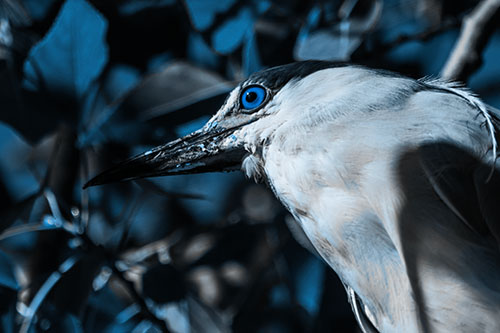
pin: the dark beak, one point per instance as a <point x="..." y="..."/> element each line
<point x="201" y="151"/>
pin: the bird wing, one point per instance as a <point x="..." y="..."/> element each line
<point x="365" y="324"/>
<point x="466" y="185"/>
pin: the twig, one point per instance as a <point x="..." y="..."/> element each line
<point x="44" y="290"/>
<point x="162" y="325"/>
<point x="477" y="28"/>
<point x="139" y="300"/>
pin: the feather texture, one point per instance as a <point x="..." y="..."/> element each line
<point x="383" y="173"/>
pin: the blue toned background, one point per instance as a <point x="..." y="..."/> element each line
<point x="87" y="83"/>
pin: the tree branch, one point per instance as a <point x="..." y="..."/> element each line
<point x="477" y="28"/>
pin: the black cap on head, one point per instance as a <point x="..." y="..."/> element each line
<point x="276" y="77"/>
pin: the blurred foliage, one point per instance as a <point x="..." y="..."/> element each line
<point x="87" y="83"/>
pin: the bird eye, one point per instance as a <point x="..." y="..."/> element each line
<point x="252" y="97"/>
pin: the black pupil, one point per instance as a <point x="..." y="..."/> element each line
<point x="250" y="96"/>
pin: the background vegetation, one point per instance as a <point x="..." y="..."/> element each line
<point x="87" y="83"/>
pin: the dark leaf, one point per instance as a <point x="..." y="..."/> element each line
<point x="72" y="54"/>
<point x="39" y="9"/>
<point x="58" y="72"/>
<point x="7" y="278"/>
<point x="119" y="80"/>
<point x="71" y="324"/>
<point x="15" y="174"/>
<point x="233" y="32"/>
<point x="17" y="211"/>
<point x="140" y="30"/>
<point x="155" y="188"/>
<point x="163" y="284"/>
<point x="53" y="320"/>
<point x="202" y="13"/>
<point x="67" y="298"/>
<point x="225" y="24"/>
<point x="199" y="52"/>
<point x="177" y="86"/>
<point x="162" y="101"/>
<point x="9" y="288"/>
<point x="308" y="282"/>
<point x="205" y="319"/>
<point x="8" y="315"/>
<point x="128" y="7"/>
<point x="59" y="294"/>
<point x="107" y="312"/>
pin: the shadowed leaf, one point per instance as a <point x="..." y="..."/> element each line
<point x="163" y="284"/>
<point x="7" y="278"/>
<point x="149" y="112"/>
<point x="72" y="54"/>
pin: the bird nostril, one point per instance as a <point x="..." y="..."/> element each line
<point x="250" y="96"/>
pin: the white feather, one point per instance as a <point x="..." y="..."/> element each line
<point x="337" y="148"/>
<point x="465" y="93"/>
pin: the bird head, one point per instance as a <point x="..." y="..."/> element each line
<point x="241" y="127"/>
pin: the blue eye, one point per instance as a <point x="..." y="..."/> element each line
<point x="252" y="97"/>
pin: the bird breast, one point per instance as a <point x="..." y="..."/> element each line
<point x="356" y="187"/>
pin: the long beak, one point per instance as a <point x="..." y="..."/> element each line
<point x="201" y="151"/>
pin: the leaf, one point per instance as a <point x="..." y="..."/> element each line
<point x="326" y="45"/>
<point x="8" y="317"/>
<point x="14" y="171"/>
<point x="59" y="71"/>
<point x="155" y="188"/>
<point x="232" y="32"/>
<point x="309" y="283"/>
<point x="38" y="9"/>
<point x="202" y="13"/>
<point x="129" y="7"/>
<point x="72" y="54"/>
<point x="225" y="24"/>
<point x="163" y="284"/>
<point x="180" y="92"/>
<point x="120" y="79"/>
<point x="199" y="52"/>
<point x="337" y="42"/>
<point x="9" y="288"/>
<point x="177" y="86"/>
<point x="205" y="319"/>
<point x="71" y="324"/>
<point x="111" y="309"/>
<point x="7" y="278"/>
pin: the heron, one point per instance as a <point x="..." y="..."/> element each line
<point x="393" y="180"/>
